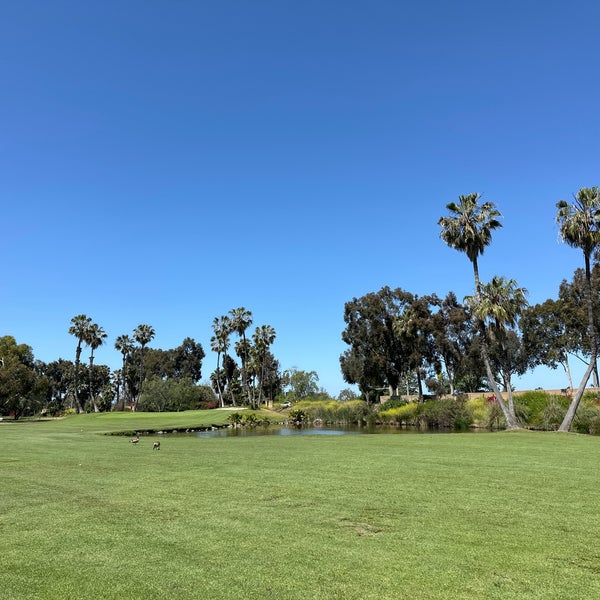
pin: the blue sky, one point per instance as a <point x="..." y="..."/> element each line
<point x="165" y="162"/>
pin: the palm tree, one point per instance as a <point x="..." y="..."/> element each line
<point x="79" y="327"/>
<point x="579" y="227"/>
<point x="143" y="335"/>
<point x="469" y="229"/>
<point x="124" y="344"/>
<point x="219" y="343"/>
<point x="263" y="337"/>
<point x="498" y="306"/>
<point x="241" y="319"/>
<point x="94" y="338"/>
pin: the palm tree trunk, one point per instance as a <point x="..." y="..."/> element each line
<point x="78" y="406"/>
<point x="219" y="391"/>
<point x="92" y="397"/>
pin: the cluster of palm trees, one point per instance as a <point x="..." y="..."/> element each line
<point x="89" y="333"/>
<point x="254" y="355"/>
<point x="93" y="335"/>
<point x="497" y="305"/>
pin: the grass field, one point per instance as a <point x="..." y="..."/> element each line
<point x="503" y="515"/>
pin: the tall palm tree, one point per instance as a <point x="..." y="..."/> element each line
<point x="468" y="229"/>
<point x="124" y="344"/>
<point x="579" y="227"/>
<point x="263" y="338"/>
<point x="143" y="335"/>
<point x="498" y="306"/>
<point x="94" y="338"/>
<point x="241" y="319"/>
<point x="79" y="327"/>
<point x="219" y="343"/>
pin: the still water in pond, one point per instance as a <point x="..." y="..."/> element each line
<point x="311" y="430"/>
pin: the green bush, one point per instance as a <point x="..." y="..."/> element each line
<point x="552" y="415"/>
<point x="587" y="419"/>
<point x="446" y="414"/>
<point x="530" y="406"/>
<point x="393" y="402"/>
<point x="333" y="411"/>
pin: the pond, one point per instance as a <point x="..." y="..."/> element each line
<point x="312" y="430"/>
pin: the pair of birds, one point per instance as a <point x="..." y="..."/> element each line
<point x="136" y="439"/>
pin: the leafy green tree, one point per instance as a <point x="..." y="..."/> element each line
<point x="454" y="345"/>
<point x="300" y="385"/>
<point x="174" y="395"/>
<point x="59" y="374"/>
<point x="468" y="229"/>
<point x="19" y="394"/>
<point x="579" y="227"/>
<point x="347" y="394"/>
<point x="79" y="329"/>
<point x="572" y="295"/>
<point x="376" y="357"/>
<point x="187" y="360"/>
<point x="547" y="339"/>
<point x="414" y="328"/>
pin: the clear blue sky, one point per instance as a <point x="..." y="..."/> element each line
<point x="163" y="162"/>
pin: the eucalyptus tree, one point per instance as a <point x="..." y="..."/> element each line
<point x="241" y="319"/>
<point x="263" y="339"/>
<point x="376" y="357"/>
<point x="124" y="344"/>
<point x="469" y="229"/>
<point x="79" y="328"/>
<point x="18" y="378"/>
<point x="572" y="295"/>
<point x="143" y="335"/>
<point x="498" y="306"/>
<point x="452" y="327"/>
<point x="579" y="227"/>
<point x="94" y="338"/>
<point x="547" y="338"/>
<point x="414" y="328"/>
<point x="187" y="360"/>
<point x="219" y="343"/>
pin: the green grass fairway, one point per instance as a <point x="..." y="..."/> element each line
<point x="445" y="516"/>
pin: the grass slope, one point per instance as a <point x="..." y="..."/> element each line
<point x="507" y="515"/>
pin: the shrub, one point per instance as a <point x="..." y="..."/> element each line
<point x="407" y="414"/>
<point x="235" y="418"/>
<point x="393" y="402"/>
<point x="447" y="413"/>
<point x="587" y="419"/>
<point x="552" y="415"/>
<point x="530" y="406"/>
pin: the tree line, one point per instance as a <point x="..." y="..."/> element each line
<point x="152" y="379"/>
<point x="398" y="340"/>
<point x="399" y="343"/>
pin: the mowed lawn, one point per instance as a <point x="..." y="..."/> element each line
<point x="502" y="515"/>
